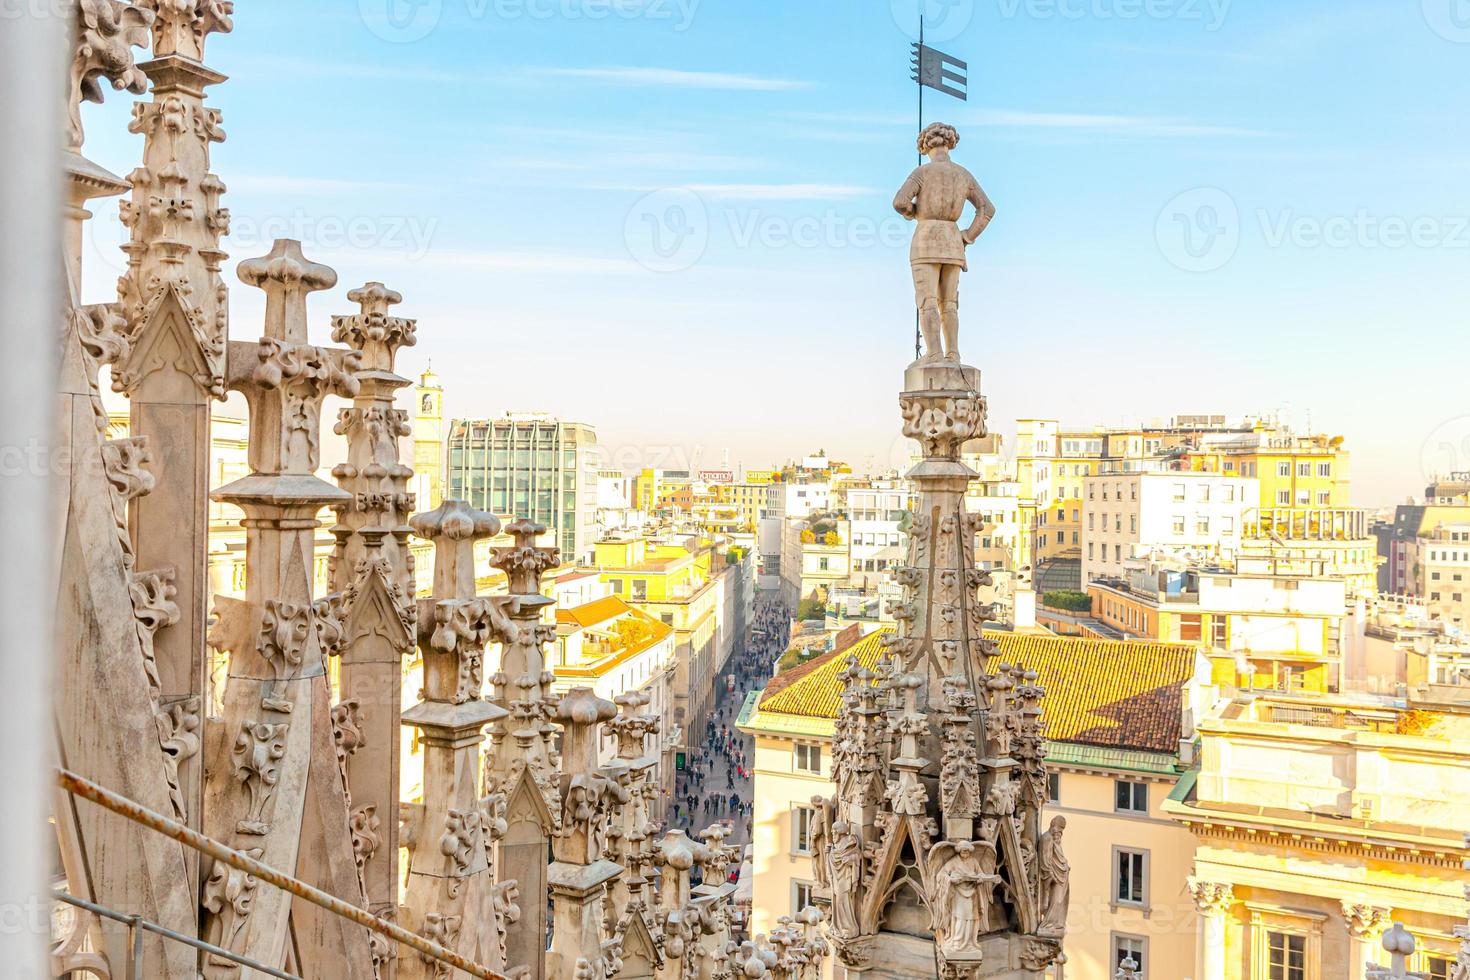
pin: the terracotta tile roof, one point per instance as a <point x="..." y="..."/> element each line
<point x="814" y="689"/>
<point x="1112" y="694"/>
<point x="845" y="642"/>
<point x="594" y="612"/>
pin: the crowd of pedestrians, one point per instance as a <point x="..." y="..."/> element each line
<point x="716" y="783"/>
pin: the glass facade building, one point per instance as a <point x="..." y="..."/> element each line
<point x="529" y="466"/>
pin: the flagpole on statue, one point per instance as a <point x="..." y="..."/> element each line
<point x="943" y="73"/>
<point x="918" y="341"/>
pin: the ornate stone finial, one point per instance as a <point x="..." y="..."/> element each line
<point x="106" y="33"/>
<point x="287" y="277"/>
<point x="1210" y="897"/>
<point x="1398" y="942"/>
<point x="454" y="527"/>
<point x="182" y="25"/>
<point x="372" y="331"/>
<point x="934" y="196"/>
<point x="524" y="563"/>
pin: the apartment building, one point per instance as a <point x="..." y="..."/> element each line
<point x="1129" y="518"/>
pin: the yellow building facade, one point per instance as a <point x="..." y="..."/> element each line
<point x="1117" y="715"/>
<point x="1319" y="821"/>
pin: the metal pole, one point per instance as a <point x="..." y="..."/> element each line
<point x="135" y="942"/>
<point x="918" y="343"/>
<point x="125" y="807"/>
<point x="167" y="933"/>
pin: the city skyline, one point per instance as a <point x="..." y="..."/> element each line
<point x="1086" y="125"/>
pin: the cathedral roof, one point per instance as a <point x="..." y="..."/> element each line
<point x="1104" y="693"/>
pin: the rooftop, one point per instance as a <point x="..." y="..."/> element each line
<point x="1102" y="693"/>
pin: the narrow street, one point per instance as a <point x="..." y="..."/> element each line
<point x="717" y="786"/>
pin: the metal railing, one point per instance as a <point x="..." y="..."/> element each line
<point x="137" y="925"/>
<point x="124" y="807"/>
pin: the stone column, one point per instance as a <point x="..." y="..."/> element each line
<point x="374" y="570"/>
<point x="522" y="764"/>
<point x="278" y="732"/>
<point x="177" y="309"/>
<point x="1366" y="925"/>
<point x="450" y="883"/>
<point x="108" y="725"/>
<point x="1212" y="900"/>
<point x="591" y="799"/>
<point x="677" y="916"/>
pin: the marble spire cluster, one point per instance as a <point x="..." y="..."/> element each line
<point x="294" y="759"/>
<point x="932" y="854"/>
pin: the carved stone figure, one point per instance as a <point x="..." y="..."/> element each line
<point x="934" y="196"/>
<point x="847" y="872"/>
<point x="1055" y="886"/>
<point x="963" y="891"/>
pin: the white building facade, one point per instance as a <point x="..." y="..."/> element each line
<point x="1130" y="519"/>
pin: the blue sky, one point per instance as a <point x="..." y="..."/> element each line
<point x="1204" y="206"/>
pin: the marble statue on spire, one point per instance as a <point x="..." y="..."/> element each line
<point x="934" y="196"/>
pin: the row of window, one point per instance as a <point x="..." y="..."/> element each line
<point x="1303" y="497"/>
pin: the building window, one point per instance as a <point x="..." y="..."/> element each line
<point x="809" y="758"/>
<point x="1179" y="526"/>
<point x="1439" y="968"/>
<point x="1283" y="497"/>
<point x="801" y="896"/>
<point x="1130" y="797"/>
<point x="1053" y="787"/>
<point x="1130" y="877"/>
<point x="1202" y="527"/>
<point x="1283" y="469"/>
<point x="1286" y="956"/>
<point x="801" y="827"/>
<point x="1304" y="469"/>
<point x="1178" y="493"/>
<point x="1324" y="469"/>
<point x="1131" y="948"/>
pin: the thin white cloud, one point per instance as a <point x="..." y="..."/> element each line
<point x="676" y="78"/>
<point x="518" y="261"/>
<point x="780" y="192"/>
<point x="272" y="184"/>
<point x="1151" y="126"/>
<point x="1023" y="119"/>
